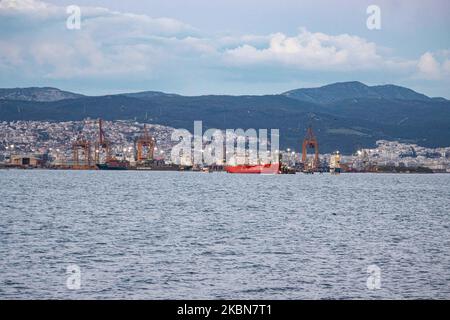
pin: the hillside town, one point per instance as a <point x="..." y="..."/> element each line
<point x="51" y="142"/>
<point x="402" y="155"/>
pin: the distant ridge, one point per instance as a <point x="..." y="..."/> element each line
<point x="354" y="90"/>
<point x="321" y="95"/>
<point x="346" y="116"/>
<point x="148" y="94"/>
<point x="44" y="94"/>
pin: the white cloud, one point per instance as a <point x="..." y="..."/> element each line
<point x="309" y="50"/>
<point x="22" y="5"/>
<point x="35" y="42"/>
<point x="434" y="66"/>
<point x="34" y="37"/>
<point x="428" y="66"/>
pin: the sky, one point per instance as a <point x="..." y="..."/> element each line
<point x="223" y="46"/>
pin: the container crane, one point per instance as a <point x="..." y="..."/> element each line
<point x="145" y="146"/>
<point x="82" y="158"/>
<point x="102" y="145"/>
<point x="310" y="141"/>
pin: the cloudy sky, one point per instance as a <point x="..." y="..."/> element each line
<point x="223" y="46"/>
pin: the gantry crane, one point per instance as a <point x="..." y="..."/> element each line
<point x="81" y="149"/>
<point x="310" y="142"/>
<point x="145" y="145"/>
<point x="102" y="144"/>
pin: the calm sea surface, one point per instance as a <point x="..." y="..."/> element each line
<point x="172" y="235"/>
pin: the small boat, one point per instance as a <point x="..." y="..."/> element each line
<point x="335" y="163"/>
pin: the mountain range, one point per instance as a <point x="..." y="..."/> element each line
<point x="354" y="90"/>
<point x="345" y="116"/>
<point x="37" y="94"/>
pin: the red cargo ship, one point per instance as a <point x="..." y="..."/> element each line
<point x="273" y="168"/>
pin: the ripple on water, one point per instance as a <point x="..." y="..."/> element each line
<point x="171" y="235"/>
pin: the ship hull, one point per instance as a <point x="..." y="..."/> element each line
<point x="116" y="165"/>
<point x="161" y="168"/>
<point x="254" y="169"/>
<point x="335" y="170"/>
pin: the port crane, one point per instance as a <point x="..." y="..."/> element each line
<point x="82" y="158"/>
<point x="102" y="145"/>
<point x="145" y="146"/>
<point x="310" y="141"/>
